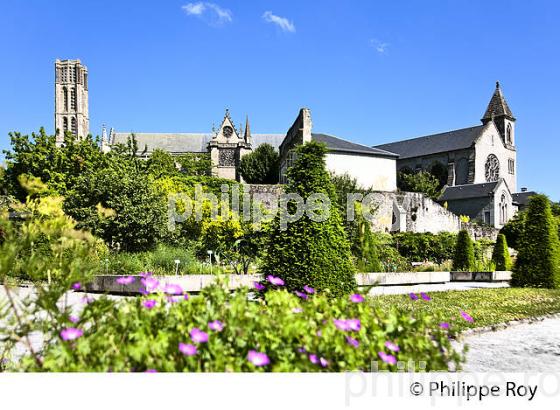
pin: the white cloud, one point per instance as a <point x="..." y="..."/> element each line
<point x="210" y="12"/>
<point x="281" y="22"/>
<point x="379" y="46"/>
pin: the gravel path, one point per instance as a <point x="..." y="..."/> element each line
<point x="530" y="347"/>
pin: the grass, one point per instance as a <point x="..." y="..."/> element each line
<point x="486" y="306"/>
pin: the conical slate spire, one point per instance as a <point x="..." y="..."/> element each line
<point x="247" y="136"/>
<point x="497" y="107"/>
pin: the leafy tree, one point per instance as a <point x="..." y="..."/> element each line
<point x="260" y="166"/>
<point x="439" y="171"/>
<point x="538" y="260"/>
<point x="464" y="253"/>
<point x="363" y="246"/>
<point x="195" y="164"/>
<point x="514" y="229"/>
<point x="500" y="255"/>
<point x="306" y="251"/>
<point x="161" y="163"/>
<point x="425" y="246"/>
<point x="422" y="181"/>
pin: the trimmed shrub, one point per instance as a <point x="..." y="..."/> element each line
<point x="538" y="260"/>
<point x="425" y="246"/>
<point x="260" y="166"/>
<point x="501" y="254"/>
<point x="364" y="247"/>
<point x="306" y="251"/>
<point x="464" y="253"/>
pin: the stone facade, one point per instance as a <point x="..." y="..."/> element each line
<point x="71" y="99"/>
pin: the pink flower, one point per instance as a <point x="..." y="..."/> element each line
<point x="146" y="274"/>
<point x="125" y="280"/>
<point x="352" y="342"/>
<point x="466" y="316"/>
<point x="388" y="358"/>
<point x="444" y="325"/>
<point x="149" y="303"/>
<point x="425" y="296"/>
<point x="173" y="289"/>
<point x="309" y="289"/>
<point x="301" y="350"/>
<point x="216" y="326"/>
<point x="151" y="371"/>
<point x="275" y="280"/>
<point x="73" y="319"/>
<point x="187" y="349"/>
<point x="258" y="286"/>
<point x="198" y="336"/>
<point x="323" y="362"/>
<point x="391" y="346"/>
<point x="87" y="299"/>
<point x="356" y="298"/>
<point x="313" y="358"/>
<point x="76" y="286"/>
<point x="258" y="358"/>
<point x="354" y="324"/>
<point x="151" y="284"/>
<point x="297" y="310"/>
<point x="301" y="295"/>
<point x="71" y="333"/>
<point x="413" y="296"/>
<point x="341" y="324"/>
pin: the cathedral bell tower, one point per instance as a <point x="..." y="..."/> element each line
<point x="227" y="147"/>
<point x="499" y="112"/>
<point x="70" y="99"/>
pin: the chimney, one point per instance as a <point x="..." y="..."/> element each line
<point x="523" y="189"/>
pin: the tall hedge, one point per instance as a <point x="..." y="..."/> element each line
<point x="308" y="252"/>
<point x="364" y="247"/>
<point x="500" y="256"/>
<point x="538" y="260"/>
<point x="262" y="166"/>
<point x="464" y="253"/>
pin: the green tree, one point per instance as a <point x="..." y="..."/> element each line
<point x="195" y="164"/>
<point x="464" y="252"/>
<point x="538" y="260"/>
<point x="363" y="246"/>
<point x="306" y="251"/>
<point x="500" y="256"/>
<point x="514" y="229"/>
<point x="161" y="163"/>
<point x="422" y="181"/>
<point x="260" y="166"/>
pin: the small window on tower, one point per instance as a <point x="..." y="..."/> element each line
<point x="65" y="98"/>
<point x="73" y="99"/>
<point x="509" y="139"/>
<point x="74" y="126"/>
<point x="65" y="124"/>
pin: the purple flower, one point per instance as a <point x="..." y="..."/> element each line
<point x="309" y="289"/>
<point x="258" y="286"/>
<point x="391" y="346"/>
<point x="301" y="350"/>
<point x="76" y="286"/>
<point x="173" y="289"/>
<point x="413" y="296"/>
<point x="87" y="299"/>
<point x="352" y="342"/>
<point x="323" y="362"/>
<point x="341" y="324"/>
<point x="425" y="296"/>
<point x="149" y="303"/>
<point x="297" y="310"/>
<point x="466" y="316"/>
<point x="151" y="371"/>
<point x="258" y="358"/>
<point x="313" y="358"/>
<point x="354" y="324"/>
<point x="444" y="325"/>
<point x="388" y="358"/>
<point x="151" y="284"/>
<point x="125" y="280"/>
<point x="198" y="336"/>
<point x="356" y="298"/>
<point x="146" y="274"/>
<point x="275" y="280"/>
<point x="187" y="349"/>
<point x="301" y="294"/>
<point x="216" y="325"/>
<point x="319" y="333"/>
<point x="73" y="319"/>
<point x="71" y="333"/>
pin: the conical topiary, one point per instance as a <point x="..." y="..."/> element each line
<point x="500" y="256"/>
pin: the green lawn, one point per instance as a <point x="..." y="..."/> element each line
<point x="486" y="306"/>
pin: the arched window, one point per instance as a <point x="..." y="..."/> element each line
<point x="509" y="138"/>
<point x="74" y="126"/>
<point x="65" y="98"/>
<point x="73" y="99"/>
<point x="65" y="124"/>
<point x="503" y="210"/>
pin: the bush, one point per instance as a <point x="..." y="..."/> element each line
<point x="464" y="253"/>
<point x="500" y="255"/>
<point x="260" y="166"/>
<point x="288" y="334"/>
<point x="422" y="182"/>
<point x="420" y="247"/>
<point x="538" y="260"/>
<point x="309" y="252"/>
<point x="195" y="164"/>
<point x="364" y="247"/>
<point x="514" y="229"/>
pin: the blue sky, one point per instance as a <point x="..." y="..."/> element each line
<point x="370" y="71"/>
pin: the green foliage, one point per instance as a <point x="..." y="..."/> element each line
<point x="420" y="247"/>
<point x="161" y="163"/>
<point x="195" y="164"/>
<point x="538" y="260"/>
<point x="464" y="259"/>
<point x="422" y="181"/>
<point x="440" y="172"/>
<point x="364" y="247"/>
<point x="260" y="166"/>
<point x="501" y="255"/>
<point x="514" y="229"/>
<point x="390" y="258"/>
<point x="124" y="336"/>
<point x="309" y="252"/>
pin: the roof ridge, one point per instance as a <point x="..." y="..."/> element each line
<point x="431" y="135"/>
<point x="343" y="139"/>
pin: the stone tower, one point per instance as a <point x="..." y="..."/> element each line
<point x="71" y="99"/>
<point x="499" y="112"/>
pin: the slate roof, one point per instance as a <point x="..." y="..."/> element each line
<point x="468" y="191"/>
<point x="522" y="198"/>
<point x="434" y="144"/>
<point x="497" y="106"/>
<point x="336" y="144"/>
